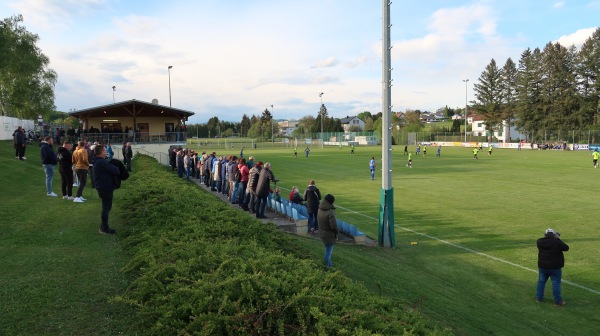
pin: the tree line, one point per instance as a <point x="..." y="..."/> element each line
<point x="551" y="90"/>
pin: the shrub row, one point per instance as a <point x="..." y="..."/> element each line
<point x="201" y="267"/>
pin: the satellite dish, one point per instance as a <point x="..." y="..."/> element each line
<point x="155" y="101"/>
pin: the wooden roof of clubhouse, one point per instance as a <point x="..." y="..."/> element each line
<point x="131" y="108"/>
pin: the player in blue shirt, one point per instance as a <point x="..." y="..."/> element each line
<point x="372" y="167"/>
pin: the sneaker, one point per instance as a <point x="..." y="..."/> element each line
<point x="83" y="199"/>
<point x="561" y="304"/>
<point x="65" y="197"/>
<point x="71" y="198"/>
<point x="53" y="194"/>
<point x="75" y="185"/>
<point x="107" y="231"/>
<point x="78" y="200"/>
<point x="24" y="158"/>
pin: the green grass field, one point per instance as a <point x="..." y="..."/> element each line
<point x="476" y="222"/>
<point x="473" y="269"/>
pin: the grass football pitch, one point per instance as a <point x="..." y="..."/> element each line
<point x="475" y="223"/>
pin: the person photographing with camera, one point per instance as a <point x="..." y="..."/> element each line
<point x="550" y="262"/>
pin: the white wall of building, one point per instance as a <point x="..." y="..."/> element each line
<point x="10" y="124"/>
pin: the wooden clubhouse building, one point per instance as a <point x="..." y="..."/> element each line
<point x="133" y="121"/>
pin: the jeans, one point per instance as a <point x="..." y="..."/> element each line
<point x="82" y="177"/>
<point x="66" y="177"/>
<point x="127" y="162"/>
<point x="555" y="275"/>
<point x="234" y="191"/>
<point x="180" y="171"/>
<point x="106" y="197"/>
<point x="188" y="173"/>
<point x="261" y="204"/>
<point x="49" y="170"/>
<point x="242" y="192"/>
<point x="327" y="257"/>
<point x="312" y="221"/>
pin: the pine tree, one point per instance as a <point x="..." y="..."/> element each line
<point x="509" y="92"/>
<point x="488" y="96"/>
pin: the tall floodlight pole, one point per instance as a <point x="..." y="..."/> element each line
<point x="321" y="110"/>
<point x="386" y="197"/>
<point x="169" y="70"/>
<point x="114" y="88"/>
<point x="466" y="107"/>
<point x="272" y="134"/>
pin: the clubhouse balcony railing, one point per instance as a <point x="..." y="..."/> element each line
<point x="135" y="138"/>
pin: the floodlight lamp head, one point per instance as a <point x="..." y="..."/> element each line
<point x="170" y="66"/>
<point x="114" y="88"/>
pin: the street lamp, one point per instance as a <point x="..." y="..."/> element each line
<point x="272" y="135"/>
<point x="114" y="89"/>
<point x="321" y="111"/>
<point x="169" y="70"/>
<point x="466" y="82"/>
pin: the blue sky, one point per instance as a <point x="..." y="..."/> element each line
<point x="234" y="57"/>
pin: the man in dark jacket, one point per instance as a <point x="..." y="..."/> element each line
<point x="312" y="197"/>
<point x="65" y="168"/>
<point x="19" y="140"/>
<point x="263" y="188"/>
<point x="105" y="181"/>
<point x="550" y="262"/>
<point x="49" y="160"/>
<point x="328" y="229"/>
<point x="127" y="155"/>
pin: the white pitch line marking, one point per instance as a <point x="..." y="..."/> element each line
<point x="473" y="251"/>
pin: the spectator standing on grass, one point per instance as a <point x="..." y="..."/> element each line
<point x="107" y="177"/>
<point x="127" y="155"/>
<point x="263" y="188"/>
<point x="328" y="229"/>
<point x="551" y="260"/>
<point x="251" y="188"/>
<point x="243" y="183"/>
<point x="232" y="170"/>
<point x="65" y="168"/>
<point x="82" y="165"/>
<point x="180" y="163"/>
<point x="19" y="141"/>
<point x="49" y="160"/>
<point x="109" y="152"/>
<point x="312" y="197"/>
<point x="439" y="151"/>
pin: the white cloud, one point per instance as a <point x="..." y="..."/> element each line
<point x="577" y="38"/>
<point x="327" y="63"/>
<point x="138" y="25"/>
<point x="55" y="13"/>
<point x="558" y="5"/>
<point x="594" y="4"/>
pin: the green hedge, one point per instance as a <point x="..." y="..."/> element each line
<point x="202" y="267"/>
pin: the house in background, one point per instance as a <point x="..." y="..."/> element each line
<point x="350" y="122"/>
<point x="287" y="127"/>
<point x="501" y="132"/>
